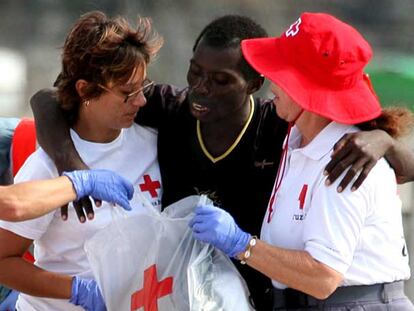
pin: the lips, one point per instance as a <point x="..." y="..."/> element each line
<point x="131" y="115"/>
<point x="199" y="108"/>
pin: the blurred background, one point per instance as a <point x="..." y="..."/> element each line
<point x="32" y="32"/>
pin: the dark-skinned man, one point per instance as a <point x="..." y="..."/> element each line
<point x="215" y="138"/>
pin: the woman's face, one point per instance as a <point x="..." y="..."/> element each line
<point x="286" y="108"/>
<point x="118" y="105"/>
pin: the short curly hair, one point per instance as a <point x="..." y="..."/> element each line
<point x="227" y="32"/>
<point x="100" y="50"/>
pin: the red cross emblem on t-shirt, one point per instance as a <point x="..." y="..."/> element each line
<point x="152" y="291"/>
<point x="150" y="186"/>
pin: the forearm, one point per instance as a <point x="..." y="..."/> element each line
<point x="32" y="199"/>
<point x="52" y="131"/>
<point x="20" y="275"/>
<point x="296" y="269"/>
<point x="401" y="159"/>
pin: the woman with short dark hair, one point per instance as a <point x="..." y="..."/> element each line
<point x="101" y="87"/>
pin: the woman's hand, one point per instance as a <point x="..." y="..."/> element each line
<point x="103" y="185"/>
<point x="218" y="228"/>
<point x="86" y="293"/>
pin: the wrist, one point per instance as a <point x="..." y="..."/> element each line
<point x="241" y="244"/>
<point x="390" y="143"/>
<point x="74" y="291"/>
<point x="78" y="183"/>
<point x="245" y="255"/>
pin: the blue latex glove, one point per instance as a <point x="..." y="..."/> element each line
<point x="103" y="185"/>
<point x="86" y="293"/>
<point x="217" y="227"/>
<point x="9" y="304"/>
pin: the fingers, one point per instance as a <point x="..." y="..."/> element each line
<point x="64" y="212"/>
<point x="336" y="159"/>
<point x="77" y="205"/>
<point x="364" y="173"/>
<point x="124" y="203"/>
<point x="202" y="214"/>
<point x="206" y="209"/>
<point x="129" y="189"/>
<point x="336" y="167"/>
<point x="193" y="221"/>
<point x="358" y="166"/>
<point x="87" y="206"/>
<point x="198" y="219"/>
<point x="98" y="203"/>
<point x="201" y="236"/>
<point x="200" y="227"/>
<point x="340" y="144"/>
<point x="349" y="176"/>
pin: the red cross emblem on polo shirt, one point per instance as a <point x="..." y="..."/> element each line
<point x="152" y="291"/>
<point x="150" y="186"/>
<point x="302" y="196"/>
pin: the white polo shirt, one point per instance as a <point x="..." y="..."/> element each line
<point x="359" y="234"/>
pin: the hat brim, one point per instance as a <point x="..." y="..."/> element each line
<point x="350" y="106"/>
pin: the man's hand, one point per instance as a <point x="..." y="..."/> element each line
<point x="101" y="184"/>
<point x="358" y="152"/>
<point x="86" y="293"/>
<point x="217" y="227"/>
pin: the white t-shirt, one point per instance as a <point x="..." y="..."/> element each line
<point x="59" y="244"/>
<point x="358" y="234"/>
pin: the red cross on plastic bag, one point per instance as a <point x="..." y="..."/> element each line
<point x="152" y="291"/>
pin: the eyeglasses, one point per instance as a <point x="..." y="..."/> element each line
<point x="133" y="95"/>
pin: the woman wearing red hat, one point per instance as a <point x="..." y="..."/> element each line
<point x="322" y="250"/>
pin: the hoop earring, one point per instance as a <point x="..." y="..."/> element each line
<point x="86" y="103"/>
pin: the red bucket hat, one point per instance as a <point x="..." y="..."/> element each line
<point x="319" y="62"/>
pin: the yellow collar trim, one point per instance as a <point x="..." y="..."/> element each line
<point x="235" y="143"/>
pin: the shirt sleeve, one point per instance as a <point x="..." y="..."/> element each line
<point x="163" y="100"/>
<point x="37" y="166"/>
<point x="334" y="222"/>
<point x="7" y="127"/>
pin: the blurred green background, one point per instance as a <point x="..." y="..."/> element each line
<point x="393" y="78"/>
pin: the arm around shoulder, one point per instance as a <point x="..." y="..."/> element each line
<point x="401" y="158"/>
<point x="52" y="131"/>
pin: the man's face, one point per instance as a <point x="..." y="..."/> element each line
<point x="217" y="88"/>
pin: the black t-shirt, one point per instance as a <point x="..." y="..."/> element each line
<point x="240" y="183"/>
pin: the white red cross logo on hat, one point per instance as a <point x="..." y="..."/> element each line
<point x="293" y="29"/>
<point x="150" y="186"/>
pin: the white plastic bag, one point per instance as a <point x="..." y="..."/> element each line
<point x="152" y="262"/>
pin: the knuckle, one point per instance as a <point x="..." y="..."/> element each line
<point x="352" y="171"/>
<point x="341" y="166"/>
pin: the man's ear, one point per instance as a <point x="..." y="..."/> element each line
<point x="254" y="85"/>
<point x="81" y="86"/>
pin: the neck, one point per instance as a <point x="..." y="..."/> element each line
<point x="220" y="135"/>
<point x="310" y="125"/>
<point x="234" y="122"/>
<point x="90" y="129"/>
